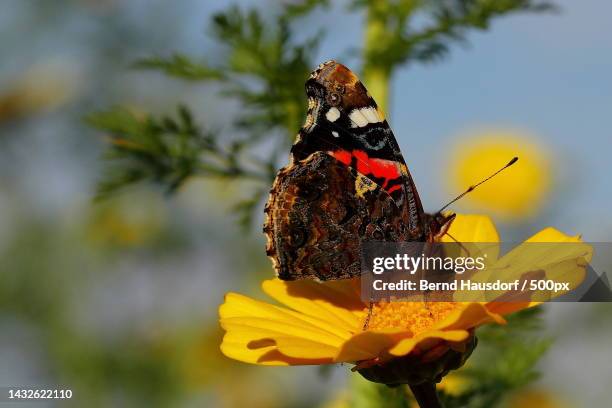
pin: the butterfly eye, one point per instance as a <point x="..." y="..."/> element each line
<point x="334" y="99"/>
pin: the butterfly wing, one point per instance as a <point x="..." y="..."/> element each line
<point x="346" y="183"/>
<point x="344" y="121"/>
<point x="319" y="212"/>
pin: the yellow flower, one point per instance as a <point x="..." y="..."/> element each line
<point x="517" y="192"/>
<point x="322" y="323"/>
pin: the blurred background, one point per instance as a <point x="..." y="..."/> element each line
<point x="117" y="298"/>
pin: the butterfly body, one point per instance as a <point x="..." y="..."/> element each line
<point x="346" y="183"/>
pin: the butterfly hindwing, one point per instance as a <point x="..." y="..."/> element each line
<point x="319" y="212"/>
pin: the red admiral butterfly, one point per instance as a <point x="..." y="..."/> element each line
<point x="346" y="183"/>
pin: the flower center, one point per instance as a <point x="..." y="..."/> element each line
<point x="414" y="316"/>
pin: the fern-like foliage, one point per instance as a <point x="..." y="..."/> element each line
<point x="446" y="22"/>
<point x="263" y="70"/>
<point x="180" y="66"/>
<point x="165" y="150"/>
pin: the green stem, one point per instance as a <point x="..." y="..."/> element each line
<point x="426" y="395"/>
<point x="376" y="76"/>
<point x="377" y="81"/>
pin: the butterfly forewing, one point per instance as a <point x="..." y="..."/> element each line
<point x="346" y="183"/>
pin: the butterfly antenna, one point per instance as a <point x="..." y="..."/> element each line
<point x="473" y="187"/>
<point x="463" y="248"/>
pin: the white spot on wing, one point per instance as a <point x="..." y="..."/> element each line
<point x="361" y="117"/>
<point x="332" y="114"/>
<point x="371" y="114"/>
<point x="358" y="118"/>
<point x="335" y="133"/>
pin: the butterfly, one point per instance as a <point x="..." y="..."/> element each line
<point x="346" y="183"/>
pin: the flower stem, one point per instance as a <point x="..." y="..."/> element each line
<point x="426" y="395"/>
<point x="376" y="75"/>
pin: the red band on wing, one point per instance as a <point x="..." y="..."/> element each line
<point x="343" y="156"/>
<point x="394" y="188"/>
<point x="379" y="168"/>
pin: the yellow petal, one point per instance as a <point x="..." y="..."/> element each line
<point x="276" y="329"/>
<point x="306" y="349"/>
<point x="468" y="316"/>
<point x="260" y="333"/>
<point x="478" y="229"/>
<point x="235" y="345"/>
<point x="547" y="255"/>
<point x="369" y="344"/>
<point x="239" y="306"/>
<point x="551" y="234"/>
<point x="472" y="228"/>
<point x="337" y="303"/>
<point x="239" y="345"/>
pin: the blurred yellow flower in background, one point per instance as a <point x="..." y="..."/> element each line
<point x="122" y="223"/>
<point x="43" y="87"/>
<point x="516" y="193"/>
